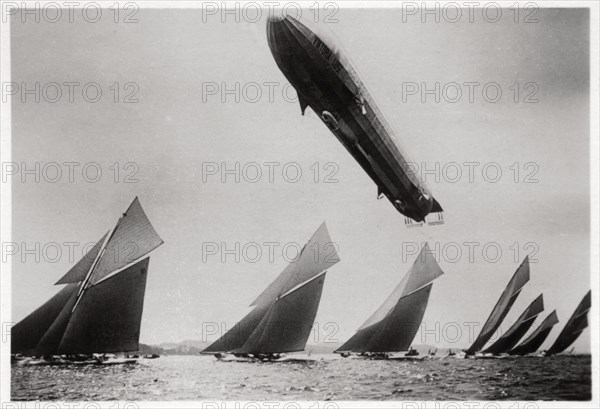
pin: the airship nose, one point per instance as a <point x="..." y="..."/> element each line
<point x="275" y="23"/>
<point x="275" y="18"/>
<point x="287" y="34"/>
<point x="276" y="27"/>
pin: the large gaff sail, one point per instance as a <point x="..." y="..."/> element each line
<point x="107" y="318"/>
<point x="573" y="328"/>
<point x="104" y="316"/>
<point x="537" y="337"/>
<point x="508" y="340"/>
<point x="284" y="313"/>
<point x="109" y="315"/>
<point x="26" y="334"/>
<point x="402" y="324"/>
<point x="287" y="325"/>
<point x="503" y="306"/>
<point x="394" y="325"/>
<point x="80" y="270"/>
<point x="239" y="333"/>
<point x="133" y="238"/>
<point x="316" y="256"/>
<point x="49" y="343"/>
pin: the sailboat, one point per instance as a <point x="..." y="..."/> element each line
<point x="573" y="328"/>
<point x="537" y="337"/>
<point x="99" y="311"/>
<point x="394" y="325"/>
<point x="503" y="306"/>
<point x="509" y="339"/>
<point x="284" y="313"/>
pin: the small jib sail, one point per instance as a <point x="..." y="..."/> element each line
<point x="537" y="337"/>
<point x="509" y="339"/>
<point x="99" y="310"/>
<point x="285" y="311"/>
<point x="394" y="325"/>
<point x="503" y="306"/>
<point x="574" y="327"/>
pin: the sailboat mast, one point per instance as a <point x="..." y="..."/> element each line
<point x="86" y="281"/>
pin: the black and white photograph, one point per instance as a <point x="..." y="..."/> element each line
<point x="312" y="204"/>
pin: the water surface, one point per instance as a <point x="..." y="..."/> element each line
<point x="331" y="378"/>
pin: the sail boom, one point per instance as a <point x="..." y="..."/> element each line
<point x="316" y="257"/>
<point x="121" y="269"/>
<point x="299" y="286"/>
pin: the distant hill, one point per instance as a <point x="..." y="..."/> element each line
<point x="186" y="347"/>
<point x="328" y="348"/>
<point x="325" y="348"/>
<point x="194" y="347"/>
<point x="151" y="349"/>
<point x="182" y="348"/>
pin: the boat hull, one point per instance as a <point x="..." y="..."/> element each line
<point x="282" y="358"/>
<point x="384" y="357"/>
<point x="65" y="362"/>
<point x="408" y="358"/>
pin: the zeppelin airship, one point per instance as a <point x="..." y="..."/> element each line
<point x="326" y="82"/>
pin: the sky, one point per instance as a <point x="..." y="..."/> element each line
<point x="177" y="130"/>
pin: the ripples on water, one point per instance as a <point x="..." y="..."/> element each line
<point x="203" y="378"/>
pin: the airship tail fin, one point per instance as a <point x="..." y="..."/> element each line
<point x="303" y="104"/>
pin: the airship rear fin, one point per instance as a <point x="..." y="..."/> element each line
<point x="303" y="104"/>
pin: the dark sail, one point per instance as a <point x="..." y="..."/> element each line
<point x="239" y="333"/>
<point x="537" y="338"/>
<point x="29" y="331"/>
<point x="285" y="311"/>
<point x="49" y="343"/>
<point x="287" y="325"/>
<point x="401" y="326"/>
<point x="108" y="317"/>
<point x="83" y="266"/>
<point x="394" y="325"/>
<point x="133" y="237"/>
<point x="423" y="271"/>
<point x="573" y="328"/>
<point x="503" y="306"/>
<point x="101" y="308"/>
<point x="359" y="341"/>
<point x="507" y="341"/>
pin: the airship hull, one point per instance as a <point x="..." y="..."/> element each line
<point x="327" y="83"/>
